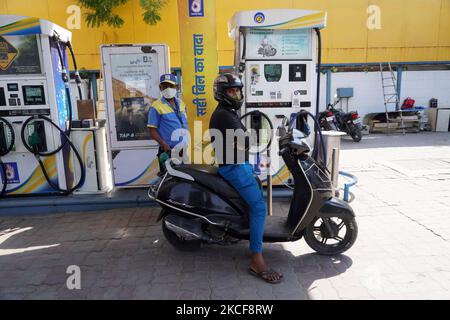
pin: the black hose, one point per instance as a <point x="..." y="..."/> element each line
<point x="319" y="66"/>
<point x="4" y="178"/>
<point x="262" y="114"/>
<point x="65" y="78"/>
<point x="316" y="127"/>
<point x="4" y="153"/>
<point x="77" y="154"/>
<point x="34" y="151"/>
<point x="65" y="135"/>
<point x="13" y="137"/>
<point x="68" y="130"/>
<point x="322" y="144"/>
<point x="77" y="74"/>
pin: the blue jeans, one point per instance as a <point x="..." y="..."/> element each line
<point x="240" y="176"/>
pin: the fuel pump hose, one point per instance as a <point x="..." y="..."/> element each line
<point x="38" y="154"/>
<point x="319" y="66"/>
<point x="4" y="150"/>
<point x="77" y="74"/>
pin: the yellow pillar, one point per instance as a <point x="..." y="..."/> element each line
<point x="199" y="66"/>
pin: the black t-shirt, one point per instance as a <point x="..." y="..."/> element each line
<point x="231" y="148"/>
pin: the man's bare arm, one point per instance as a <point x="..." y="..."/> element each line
<point x="155" y="136"/>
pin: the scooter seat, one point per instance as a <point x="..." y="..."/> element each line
<point x="209" y="177"/>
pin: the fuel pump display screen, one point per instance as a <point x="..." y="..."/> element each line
<point x="272" y="72"/>
<point x="262" y="44"/>
<point x="33" y="95"/>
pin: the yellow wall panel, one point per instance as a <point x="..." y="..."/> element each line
<point x="411" y="30"/>
<point x="444" y="24"/>
<point x="3" y="8"/>
<point x="166" y="31"/>
<point x="58" y="14"/>
<point x="345" y="55"/>
<point x="391" y="24"/>
<point x="419" y="54"/>
<point x="32" y="8"/>
<point x="226" y="58"/>
<point x="402" y="54"/>
<point x="346" y="24"/>
<point x="444" y="54"/>
<point x="421" y="20"/>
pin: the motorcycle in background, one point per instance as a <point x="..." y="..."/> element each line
<point x="336" y="119"/>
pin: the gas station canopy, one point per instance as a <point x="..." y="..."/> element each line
<point x="277" y="19"/>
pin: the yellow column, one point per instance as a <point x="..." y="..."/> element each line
<point x="199" y="66"/>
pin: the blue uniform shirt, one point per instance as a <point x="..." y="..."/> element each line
<point x="166" y="119"/>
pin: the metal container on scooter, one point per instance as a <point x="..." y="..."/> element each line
<point x="332" y="142"/>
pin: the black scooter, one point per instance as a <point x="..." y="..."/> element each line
<point x="200" y="207"/>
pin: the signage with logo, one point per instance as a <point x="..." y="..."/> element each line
<point x="12" y="173"/>
<point x="259" y="17"/>
<point x="196" y="8"/>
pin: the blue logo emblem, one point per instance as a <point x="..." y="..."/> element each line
<point x="259" y="17"/>
<point x="196" y="8"/>
<point x="12" y="174"/>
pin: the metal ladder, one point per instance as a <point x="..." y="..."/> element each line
<point x="390" y="95"/>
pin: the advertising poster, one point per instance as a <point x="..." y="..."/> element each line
<point x="278" y="44"/>
<point x="19" y="55"/>
<point x="135" y="87"/>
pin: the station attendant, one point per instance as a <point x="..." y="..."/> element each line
<point x="166" y="115"/>
<point x="236" y="169"/>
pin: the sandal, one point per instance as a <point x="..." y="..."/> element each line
<point x="265" y="275"/>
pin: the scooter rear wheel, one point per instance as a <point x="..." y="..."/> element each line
<point x="178" y="242"/>
<point x="331" y="242"/>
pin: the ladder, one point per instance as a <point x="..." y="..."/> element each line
<point x="390" y="94"/>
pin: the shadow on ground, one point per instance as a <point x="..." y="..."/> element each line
<point x="122" y="254"/>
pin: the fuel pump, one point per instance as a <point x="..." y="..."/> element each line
<point x="6" y="145"/>
<point x="36" y="136"/>
<point x="36" y="106"/>
<point x="275" y="54"/>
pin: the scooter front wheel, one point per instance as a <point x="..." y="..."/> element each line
<point x="178" y="242"/>
<point x="332" y="235"/>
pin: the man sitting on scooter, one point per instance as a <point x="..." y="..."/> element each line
<point x="236" y="169"/>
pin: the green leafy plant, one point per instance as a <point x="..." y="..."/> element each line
<point x="101" y="12"/>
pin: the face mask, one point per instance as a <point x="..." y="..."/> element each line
<point x="169" y="93"/>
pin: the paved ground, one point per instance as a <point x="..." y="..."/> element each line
<point x="403" y="250"/>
